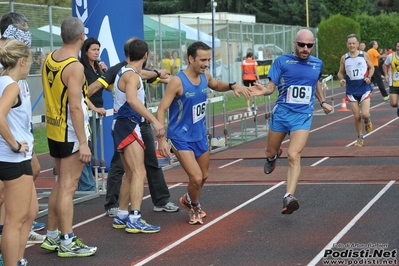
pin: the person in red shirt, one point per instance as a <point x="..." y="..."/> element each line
<point x="249" y="75"/>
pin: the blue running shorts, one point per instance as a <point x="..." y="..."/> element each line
<point x="286" y="120"/>
<point x="125" y="132"/>
<point x="198" y="147"/>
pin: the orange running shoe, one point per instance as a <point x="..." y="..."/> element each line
<point x="195" y="215"/>
<point x="186" y="204"/>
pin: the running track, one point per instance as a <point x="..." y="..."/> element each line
<point x="346" y="195"/>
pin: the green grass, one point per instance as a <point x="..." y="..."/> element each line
<point x="41" y="145"/>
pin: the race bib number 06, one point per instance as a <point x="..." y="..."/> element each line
<point x="199" y="111"/>
<point x="298" y="94"/>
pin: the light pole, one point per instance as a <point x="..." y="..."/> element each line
<point x="213" y="6"/>
<point x="307" y="13"/>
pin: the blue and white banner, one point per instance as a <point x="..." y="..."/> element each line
<point x="112" y="23"/>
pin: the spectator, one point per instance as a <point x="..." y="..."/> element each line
<point x="249" y="77"/>
<point x="67" y="134"/>
<point x="93" y="69"/>
<point x="176" y="63"/>
<point x="377" y="76"/>
<point x="16" y="147"/>
<point x="37" y="63"/>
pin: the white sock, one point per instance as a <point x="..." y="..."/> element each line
<point x="122" y="214"/>
<point x="52" y="234"/>
<point x="287" y="194"/>
<point x="188" y="197"/>
<point x="133" y="218"/>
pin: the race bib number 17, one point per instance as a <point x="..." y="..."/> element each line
<point x="199" y="111"/>
<point x="298" y="94"/>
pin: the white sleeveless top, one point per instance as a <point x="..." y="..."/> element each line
<point x="19" y="119"/>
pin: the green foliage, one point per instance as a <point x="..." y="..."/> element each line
<point x="382" y="28"/>
<point x="348" y="8"/>
<point x="332" y="40"/>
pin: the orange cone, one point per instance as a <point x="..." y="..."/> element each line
<point x="343" y="106"/>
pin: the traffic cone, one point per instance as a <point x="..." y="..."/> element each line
<point x="343" y="106"/>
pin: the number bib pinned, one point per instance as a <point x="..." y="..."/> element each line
<point x="298" y="94"/>
<point x="199" y="111"/>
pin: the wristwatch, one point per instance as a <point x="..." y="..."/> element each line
<point x="231" y="85"/>
<point x="18" y="149"/>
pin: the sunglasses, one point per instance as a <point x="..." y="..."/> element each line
<point x="302" y="44"/>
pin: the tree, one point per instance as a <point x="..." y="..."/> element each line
<point x="348" y="8"/>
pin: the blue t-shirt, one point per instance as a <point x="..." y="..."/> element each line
<point x="187" y="112"/>
<point x="296" y="81"/>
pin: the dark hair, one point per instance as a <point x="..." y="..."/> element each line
<point x="12" y="18"/>
<point x="250" y="55"/>
<point x="194" y="47"/>
<point x="85" y="47"/>
<point x="137" y="49"/>
<point x="372" y="44"/>
<point x="37" y="54"/>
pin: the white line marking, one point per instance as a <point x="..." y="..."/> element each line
<point x="181" y="240"/>
<point x="320" y="161"/>
<point x="350" y="224"/>
<point x="233" y="162"/>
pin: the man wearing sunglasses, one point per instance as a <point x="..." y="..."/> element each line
<point x="355" y="71"/>
<point x="296" y="77"/>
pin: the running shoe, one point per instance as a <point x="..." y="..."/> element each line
<point x="1" y="260"/>
<point x="76" y="249"/>
<point x="186" y="204"/>
<point x="168" y="207"/>
<point x="35" y="238"/>
<point x="112" y="212"/>
<point x="38" y="226"/>
<point x="368" y="126"/>
<point x="120" y="223"/>
<point x="270" y="165"/>
<point x="386" y="98"/>
<point x="195" y="215"/>
<point x="22" y="262"/>
<point x="51" y="244"/>
<point x="359" y="142"/>
<point x="397" y="111"/>
<point x="290" y="204"/>
<point x="141" y="226"/>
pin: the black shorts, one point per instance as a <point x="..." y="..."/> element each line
<point x="62" y="149"/>
<point x="248" y="83"/>
<point x="11" y="171"/>
<point x="393" y="90"/>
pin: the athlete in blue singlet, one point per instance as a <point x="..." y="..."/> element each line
<point x="357" y="69"/>
<point x="185" y="97"/>
<point x="297" y="79"/>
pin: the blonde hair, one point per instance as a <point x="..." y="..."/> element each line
<point x="11" y="52"/>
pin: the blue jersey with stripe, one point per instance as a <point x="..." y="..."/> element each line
<point x="122" y="109"/>
<point x="356" y="71"/>
<point x="187" y="112"/>
<point x="296" y="80"/>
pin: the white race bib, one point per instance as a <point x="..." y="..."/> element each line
<point x="298" y="94"/>
<point x="199" y="111"/>
<point x="395" y="76"/>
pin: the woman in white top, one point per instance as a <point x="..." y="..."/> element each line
<point x="16" y="145"/>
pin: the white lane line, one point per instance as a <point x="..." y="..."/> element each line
<point x="233" y="162"/>
<point x="202" y="228"/>
<point x="350" y="224"/>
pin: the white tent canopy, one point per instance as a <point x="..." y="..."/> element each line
<point x="193" y="34"/>
<point x="56" y="30"/>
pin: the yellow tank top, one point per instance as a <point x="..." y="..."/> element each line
<point x="58" y="119"/>
<point x="395" y="70"/>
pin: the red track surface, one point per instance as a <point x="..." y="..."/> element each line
<point x="244" y="226"/>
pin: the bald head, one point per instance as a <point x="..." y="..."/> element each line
<point x="305" y="35"/>
<point x="304" y="43"/>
